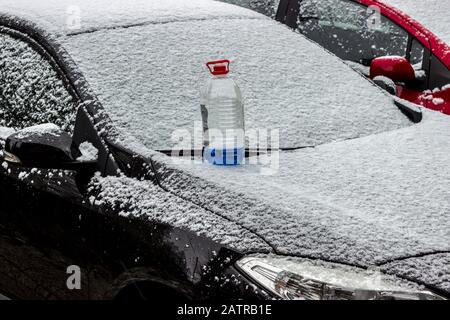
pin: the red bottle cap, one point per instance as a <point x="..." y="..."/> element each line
<point x="219" y="67"/>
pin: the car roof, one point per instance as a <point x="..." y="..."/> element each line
<point x="64" y="17"/>
<point x="430" y="13"/>
<point x="148" y="73"/>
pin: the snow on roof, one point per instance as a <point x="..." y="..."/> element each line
<point x="433" y="14"/>
<point x="68" y="16"/>
<point x="149" y="79"/>
<point x="432" y="269"/>
<point x="363" y="201"/>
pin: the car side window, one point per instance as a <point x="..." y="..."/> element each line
<point x="31" y="92"/>
<point x="350" y="30"/>
<point x="417" y="53"/>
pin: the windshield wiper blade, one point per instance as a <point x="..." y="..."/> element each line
<point x="413" y="112"/>
<point x="248" y="152"/>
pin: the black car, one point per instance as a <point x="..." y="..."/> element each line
<point x="93" y="208"/>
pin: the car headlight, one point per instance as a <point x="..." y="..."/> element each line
<point x="301" y="279"/>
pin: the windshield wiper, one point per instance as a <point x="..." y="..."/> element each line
<point x="409" y="109"/>
<point x="248" y="152"/>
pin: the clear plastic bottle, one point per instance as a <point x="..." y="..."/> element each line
<point x="223" y="117"/>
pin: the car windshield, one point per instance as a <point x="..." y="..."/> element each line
<point x="429" y="13"/>
<point x="149" y="78"/>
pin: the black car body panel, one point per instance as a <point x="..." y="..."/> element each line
<point x="52" y="223"/>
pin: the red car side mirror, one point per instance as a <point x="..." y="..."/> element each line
<point x="394" y="67"/>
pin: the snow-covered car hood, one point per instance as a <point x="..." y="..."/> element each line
<point x="430" y="13"/>
<point x="364" y="202"/>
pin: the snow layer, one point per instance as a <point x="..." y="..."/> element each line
<point x="5" y="132"/>
<point x="88" y="152"/>
<point x="30" y="90"/>
<point x="267" y="7"/>
<point x="39" y="130"/>
<point x="146" y="200"/>
<point x="68" y="16"/>
<point x="362" y="201"/>
<point x="150" y="77"/>
<point x="433" y="14"/>
<point x="431" y="269"/>
<point x="339" y="275"/>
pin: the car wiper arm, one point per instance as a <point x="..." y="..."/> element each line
<point x="409" y="109"/>
<point x="248" y="152"/>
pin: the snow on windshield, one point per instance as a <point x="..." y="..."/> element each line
<point x="433" y="14"/>
<point x="149" y="77"/>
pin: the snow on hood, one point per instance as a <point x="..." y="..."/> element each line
<point x="88" y="152"/>
<point x="149" y="80"/>
<point x="364" y="201"/>
<point x="432" y="270"/>
<point x="433" y="14"/>
<point x="67" y="16"/>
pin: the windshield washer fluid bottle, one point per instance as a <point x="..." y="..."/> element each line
<point x="223" y="117"/>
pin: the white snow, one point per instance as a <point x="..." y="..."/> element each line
<point x="267" y="7"/>
<point x="145" y="60"/>
<point x="433" y="14"/>
<point x="339" y="275"/>
<point x="39" y="130"/>
<point x="433" y="269"/>
<point x="362" y="201"/>
<point x="149" y="81"/>
<point x="5" y="132"/>
<point x="68" y="16"/>
<point x="438" y="101"/>
<point x="364" y="70"/>
<point x="23" y="175"/>
<point x="146" y="200"/>
<point x="88" y="152"/>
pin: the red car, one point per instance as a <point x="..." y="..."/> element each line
<point x="380" y="41"/>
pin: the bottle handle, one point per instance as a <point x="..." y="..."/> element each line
<point x="219" y="67"/>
